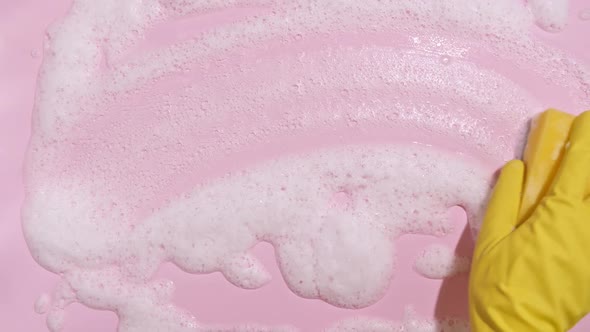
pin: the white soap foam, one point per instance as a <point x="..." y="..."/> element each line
<point x="550" y="15"/>
<point x="287" y="202"/>
<point x="488" y="115"/>
<point x="411" y="323"/>
<point x="55" y="319"/>
<point x="185" y="7"/>
<point x="42" y="304"/>
<point x="439" y="261"/>
<point x="499" y="25"/>
<point x="75" y="51"/>
<point x="304" y="17"/>
<point x="486" y="98"/>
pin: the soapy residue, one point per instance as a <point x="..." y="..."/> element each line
<point x="411" y="323"/>
<point x="42" y="304"/>
<point x="324" y="213"/>
<point x="550" y="15"/>
<point x="132" y="160"/>
<point x="439" y="261"/>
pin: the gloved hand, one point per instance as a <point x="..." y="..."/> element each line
<point x="534" y="275"/>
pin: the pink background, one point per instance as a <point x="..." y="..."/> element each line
<point x="211" y="298"/>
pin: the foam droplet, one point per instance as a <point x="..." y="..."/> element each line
<point x="55" y="320"/>
<point x="439" y="261"/>
<point x="550" y="15"/>
<point x="42" y="304"/>
<point x="445" y="59"/>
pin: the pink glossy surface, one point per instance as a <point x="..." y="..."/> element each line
<point x="210" y="297"/>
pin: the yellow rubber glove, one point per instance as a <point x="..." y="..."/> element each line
<point x="535" y="275"/>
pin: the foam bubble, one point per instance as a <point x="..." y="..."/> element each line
<point x="42" y="304"/>
<point x="550" y="15"/>
<point x="55" y="320"/>
<point x="439" y="261"/>
<point x="445" y="60"/>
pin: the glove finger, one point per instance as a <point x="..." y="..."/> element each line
<point x="573" y="175"/>
<point x="502" y="214"/>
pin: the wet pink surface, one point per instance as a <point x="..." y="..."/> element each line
<point x="210" y="297"/>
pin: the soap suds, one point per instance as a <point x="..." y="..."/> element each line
<point x="342" y="254"/>
<point x="55" y="319"/>
<point x="550" y="15"/>
<point x="410" y="323"/>
<point x="42" y="304"/>
<point x="498" y="25"/>
<point x="439" y="262"/>
<point x="123" y="134"/>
